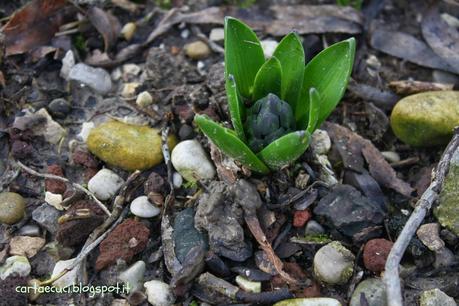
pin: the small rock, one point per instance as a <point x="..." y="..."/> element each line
<point x="133" y="275"/>
<point x="313" y="228"/>
<point x="96" y="78"/>
<point x="429" y="234"/>
<point x="130" y="147"/>
<point x="54" y="200"/>
<point x="320" y="142"/>
<point x="144" y="99"/>
<point x="186" y="132"/>
<point x="374" y="291"/>
<point x="12" y="207"/>
<point x="217" y="34"/>
<point x="186" y="236"/>
<point x="120" y="302"/>
<point x="391" y="156"/>
<point x="84" y="159"/>
<point x="302" y="180"/>
<point x="131" y="71"/>
<point x="86" y="128"/>
<point x="128" y="30"/>
<point x="129" y="90"/>
<point x="426" y="119"/>
<point x="316" y="301"/>
<point x="154" y="183"/>
<point x="46" y="216"/>
<point x="159" y="293"/>
<point x="191" y="161"/>
<point x="67" y="63"/>
<point x="197" y="50"/>
<point x="26" y="246"/>
<point x="21" y="149"/>
<point x="177" y="180"/>
<point x="59" y="108"/>
<point x="142" y="208"/>
<point x="29" y="230"/>
<point x="300" y="217"/>
<point x="247" y="285"/>
<point x="15" y="266"/>
<point x="375" y="254"/>
<point x="269" y="46"/>
<point x="105" y="184"/>
<point x="444" y="258"/>
<point x="435" y="297"/>
<point x="52" y="185"/>
<point x="69" y="278"/>
<point x="333" y="263"/>
<point x="50" y="130"/>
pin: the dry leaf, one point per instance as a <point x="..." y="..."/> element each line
<point x="106" y="24"/>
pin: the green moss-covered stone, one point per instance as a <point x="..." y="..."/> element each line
<point x="318" y="301"/>
<point x="447" y="211"/>
<point x="127" y="146"/>
<point x="426" y="119"/>
<point x="12" y="207"/>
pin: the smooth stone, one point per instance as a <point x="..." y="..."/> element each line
<point x="374" y="291"/>
<point x="313" y="228"/>
<point x="129" y="90"/>
<point x="26" y="246"/>
<point x="69" y="278"/>
<point x="177" y="180"/>
<point x="59" y="108"/>
<point x="317" y="301"/>
<point x="30" y="230"/>
<point x="429" y="234"/>
<point x="333" y="263"/>
<point x="248" y="285"/>
<point x="435" y="297"/>
<point x="12" y="207"/>
<point x="391" y="156"/>
<point x="86" y="128"/>
<point x="191" y="161"/>
<point x="15" y="265"/>
<point x="197" y="50"/>
<point x="96" y="78"/>
<point x="159" y="293"/>
<point x="217" y="34"/>
<point x="426" y="119"/>
<point x="133" y="275"/>
<point x="320" y="142"/>
<point x="105" y="184"/>
<point x="144" y="99"/>
<point x="127" y="146"/>
<point x="142" y="208"/>
<point x="447" y="210"/>
<point x="54" y="200"/>
<point x="128" y="30"/>
<point x="67" y="63"/>
<point x="46" y="216"/>
<point x="269" y="46"/>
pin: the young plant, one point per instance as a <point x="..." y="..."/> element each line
<point x="276" y="104"/>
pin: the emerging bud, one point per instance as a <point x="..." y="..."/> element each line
<point x="268" y="119"/>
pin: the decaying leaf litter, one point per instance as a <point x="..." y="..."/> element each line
<point x="74" y="73"/>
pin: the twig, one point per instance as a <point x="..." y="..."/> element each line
<point x="167" y="161"/>
<point x="391" y="275"/>
<point x="63" y="179"/>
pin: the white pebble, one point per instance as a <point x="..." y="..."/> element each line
<point x="248" y="285"/>
<point x="177" y="180"/>
<point x="333" y="263"/>
<point x="86" y="128"/>
<point x="142" y="208"/>
<point x="133" y="275"/>
<point x="15" y="265"/>
<point x="54" y="200"/>
<point x="217" y="34"/>
<point x="144" y="99"/>
<point x="391" y="156"/>
<point x="67" y="63"/>
<point x="128" y="91"/>
<point x="128" y="30"/>
<point x="320" y="142"/>
<point x="96" y="78"/>
<point x="159" y="293"/>
<point x="191" y="161"/>
<point x="269" y="46"/>
<point x="69" y="278"/>
<point x="105" y="184"/>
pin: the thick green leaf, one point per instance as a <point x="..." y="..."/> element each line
<point x="236" y="107"/>
<point x="230" y="144"/>
<point x="314" y="109"/>
<point x="243" y="54"/>
<point x="290" y="54"/>
<point x="285" y="149"/>
<point x="268" y="79"/>
<point x="329" y="73"/>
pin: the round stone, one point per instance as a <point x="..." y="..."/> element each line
<point x="191" y="161"/>
<point x="197" y="50"/>
<point x="374" y="291"/>
<point x="59" y="108"/>
<point x="333" y="263"/>
<point x="142" y="208"/>
<point x="12" y="207"/>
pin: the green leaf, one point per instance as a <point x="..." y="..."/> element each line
<point x="236" y="108"/>
<point x="268" y="79"/>
<point x="230" y="144"/>
<point x="314" y="109"/>
<point x="329" y="73"/>
<point x="285" y="149"/>
<point x="290" y="54"/>
<point x="243" y="55"/>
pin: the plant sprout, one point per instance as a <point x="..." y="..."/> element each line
<point x="276" y="104"/>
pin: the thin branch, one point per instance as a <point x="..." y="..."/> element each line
<point x="167" y="160"/>
<point x="63" y="179"/>
<point x="391" y="275"/>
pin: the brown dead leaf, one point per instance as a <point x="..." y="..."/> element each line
<point x="34" y="25"/>
<point x="106" y="24"/>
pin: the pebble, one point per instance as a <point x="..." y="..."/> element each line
<point x="429" y="234"/>
<point x="12" y="207"/>
<point x="69" y="278"/>
<point x="435" y="297"/>
<point x="374" y="291"/>
<point x="426" y="119"/>
<point x="197" y="50"/>
<point x="300" y="217"/>
<point x="144" y="99"/>
<point x="191" y="161"/>
<point x="96" y="78"/>
<point x="375" y="254"/>
<point x="315" y="301"/>
<point x="128" y="30"/>
<point x="159" y="293"/>
<point x="133" y="275"/>
<point x="320" y="142"/>
<point x="142" y="208"/>
<point x="46" y="216"/>
<point x="248" y="285"/>
<point x="333" y="263"/>
<point x="129" y="147"/>
<point x="52" y="185"/>
<point x="217" y="34"/>
<point x="68" y="61"/>
<point x="31" y="230"/>
<point x="50" y="130"/>
<point x="54" y="200"/>
<point x="186" y="132"/>
<point x="86" y="128"/>
<point x="391" y="156"/>
<point x="105" y="184"/>
<point x="131" y="71"/>
<point x="26" y="246"/>
<point x="185" y="235"/>
<point x="129" y="90"/>
<point x="313" y="228"/>
<point x="15" y="265"/>
<point x="59" y="108"/>
<point x="177" y="180"/>
<point x="269" y="46"/>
